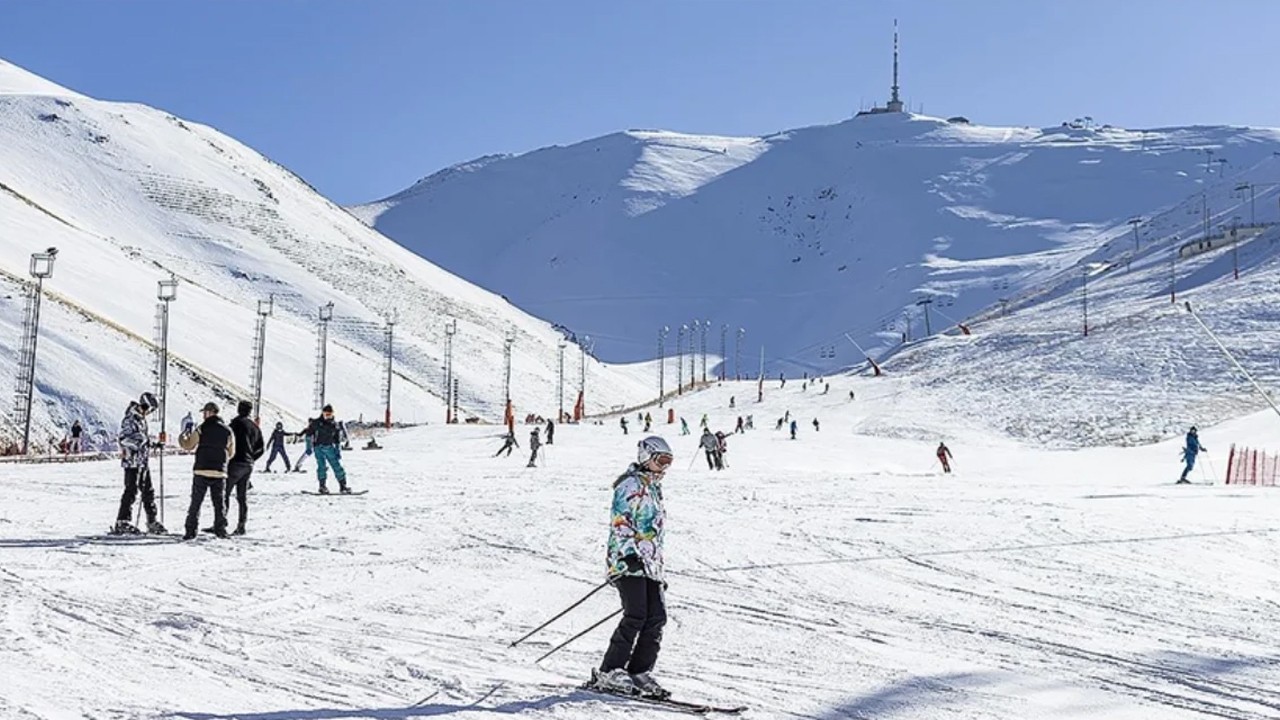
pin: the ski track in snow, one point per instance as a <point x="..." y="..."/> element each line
<point x="836" y="576"/>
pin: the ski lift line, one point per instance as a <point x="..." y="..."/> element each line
<point x="1232" y="358"/>
<point x="988" y="550"/>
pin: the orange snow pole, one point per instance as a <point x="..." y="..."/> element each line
<point x="579" y="408"/>
<point x="671" y="415"/>
<point x="510" y="418"/>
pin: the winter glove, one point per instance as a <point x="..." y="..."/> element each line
<point x="634" y="564"/>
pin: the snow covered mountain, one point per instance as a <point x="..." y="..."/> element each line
<point x="130" y="195"/>
<point x="802" y="236"/>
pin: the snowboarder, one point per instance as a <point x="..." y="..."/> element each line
<point x="815" y="424"/>
<point x="75" y="446"/>
<point x="508" y="443"/>
<point x="214" y="444"/>
<point x="326" y="439"/>
<point x="535" y="443"/>
<point x="709" y="445"/>
<point x="308" y="443"/>
<point x="648" y="421"/>
<point x="684" y="427"/>
<point x="248" y="449"/>
<point x="135" y="455"/>
<point x="277" y="448"/>
<point x="635" y="567"/>
<point x="551" y="433"/>
<point x="944" y="456"/>
<point x="739" y="427"/>
<point x="793" y="429"/>
<point x="623" y="422"/>
<point x="1193" y="448"/>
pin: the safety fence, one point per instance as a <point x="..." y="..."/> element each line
<point x="1246" y="466"/>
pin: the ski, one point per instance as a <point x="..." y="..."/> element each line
<point x="692" y="708"/>
<point x="334" y="494"/>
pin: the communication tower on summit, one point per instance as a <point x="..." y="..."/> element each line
<point x="895" y="101"/>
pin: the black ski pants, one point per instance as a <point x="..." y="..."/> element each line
<point x="711" y="459"/>
<point x="238" y="475"/>
<point x="636" y="642"/>
<point x="214" y="486"/>
<point x="279" y="450"/>
<point x="137" y="479"/>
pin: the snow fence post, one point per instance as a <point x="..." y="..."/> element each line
<point x="1231" y="456"/>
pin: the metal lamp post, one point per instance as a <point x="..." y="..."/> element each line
<point x="41" y="269"/>
<point x="166" y="292"/>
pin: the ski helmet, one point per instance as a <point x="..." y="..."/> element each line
<point x="652" y="447"/>
<point x="147" y="401"/>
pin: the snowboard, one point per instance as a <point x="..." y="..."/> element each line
<point x="336" y="494"/>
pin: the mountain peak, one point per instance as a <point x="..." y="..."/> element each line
<point x="17" y="81"/>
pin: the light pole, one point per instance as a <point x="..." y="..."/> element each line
<point x="259" y="355"/>
<point x="1253" y="218"/>
<point x="1235" y="246"/>
<point x="450" y="387"/>
<point x="724" y="350"/>
<point x="680" y="358"/>
<point x="1084" y="294"/>
<point x="693" y="356"/>
<point x="389" y="366"/>
<point x="322" y="353"/>
<point x="41" y="269"/>
<point x="560" y="382"/>
<point x="583" y="346"/>
<point x="737" y="355"/>
<point x="166" y="292"/>
<point x="1173" y="272"/>
<point x="702" y="346"/>
<point x="926" y="302"/>
<point x="662" y="364"/>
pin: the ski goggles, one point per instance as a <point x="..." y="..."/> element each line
<point x="663" y="461"/>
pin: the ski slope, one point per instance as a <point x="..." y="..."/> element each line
<point x="835" y="576"/>
<point x="131" y="195"/>
<point x="802" y="236"/>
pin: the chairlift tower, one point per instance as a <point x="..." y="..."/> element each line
<point x="265" y="308"/>
<point x="41" y="269"/>
<point x="388" y="366"/>
<point x="322" y="354"/>
<point x="450" y="387"/>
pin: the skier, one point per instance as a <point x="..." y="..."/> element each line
<point x="731" y="404"/>
<point x="815" y="424"/>
<point x="214" y="444"/>
<point x="535" y="443"/>
<point x="684" y="427"/>
<point x="793" y="429"/>
<point x="782" y="379"/>
<point x="826" y="388"/>
<point x="709" y="446"/>
<point x="248" y="449"/>
<point x="704" y="421"/>
<point x="551" y="433"/>
<point x="135" y="455"/>
<point x="780" y="424"/>
<point x="722" y="447"/>
<point x="944" y="454"/>
<point x="751" y="422"/>
<point x="648" y="421"/>
<point x="635" y="568"/>
<point x="623" y="421"/>
<point x="326" y="439"/>
<point x="308" y="443"/>
<point x="804" y="386"/>
<point x="1193" y="448"/>
<point x="508" y="443"/>
<point x="75" y="446"/>
<point x="738" y="428"/>
<point x="277" y="448"/>
<point x="850" y="394"/>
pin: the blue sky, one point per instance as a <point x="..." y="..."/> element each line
<point x="364" y="97"/>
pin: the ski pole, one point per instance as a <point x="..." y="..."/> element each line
<point x="538" y="629"/>
<point x="562" y="645"/>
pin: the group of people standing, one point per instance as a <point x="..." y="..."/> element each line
<point x="535" y="442"/>
<point x="225" y="454"/>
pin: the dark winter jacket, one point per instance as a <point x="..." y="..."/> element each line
<point x="1193" y="445"/>
<point x="535" y="442"/>
<point x="214" y="444"/>
<point x="76" y="430"/>
<point x="135" y="443"/>
<point x="248" y="441"/>
<point x="325" y="431"/>
<point x="708" y="442"/>
<point x="277" y="438"/>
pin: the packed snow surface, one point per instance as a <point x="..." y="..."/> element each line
<point x="838" y="575"/>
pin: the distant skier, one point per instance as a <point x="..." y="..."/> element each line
<point x="1189" y="452"/>
<point x="648" y="421"/>
<point x="75" y="447"/>
<point x="535" y="443"/>
<point x="781" y="422"/>
<point x="551" y="433"/>
<point x="826" y="388"/>
<point x="751" y="422"/>
<point x="240" y="467"/>
<point x="731" y="402"/>
<point x="787" y="416"/>
<point x="277" y="448"/>
<point x="684" y="427"/>
<point x="782" y="380"/>
<point x="850" y="394"/>
<point x="135" y="456"/>
<point x="711" y="448"/>
<point x="508" y="443"/>
<point x="704" y="421"/>
<point x="722" y="447"/>
<point x="214" y="444"/>
<point x="326" y="439"/>
<point x="635" y="567"/>
<point x="623" y="422"/>
<point x="793" y="429"/>
<point x="944" y="457"/>
<point x="804" y="386"/>
<point x="739" y="427"/>
<point x="815" y="424"/>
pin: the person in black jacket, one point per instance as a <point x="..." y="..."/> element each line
<point x="551" y="433"/>
<point x="240" y="468"/>
<point x="214" y="444"/>
<point x="326" y="438"/>
<point x="277" y="448"/>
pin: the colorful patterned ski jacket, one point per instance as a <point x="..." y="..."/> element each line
<point x="135" y="441"/>
<point x="637" y="526"/>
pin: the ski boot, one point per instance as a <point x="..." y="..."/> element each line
<point x="124" y="527"/>
<point x="648" y="687"/>
<point x="344" y="489"/>
<point x="239" y="530"/>
<point x="1183" y="481"/>
<point x="155" y="528"/>
<point x="617" y="682"/>
<point x="324" y="490"/>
